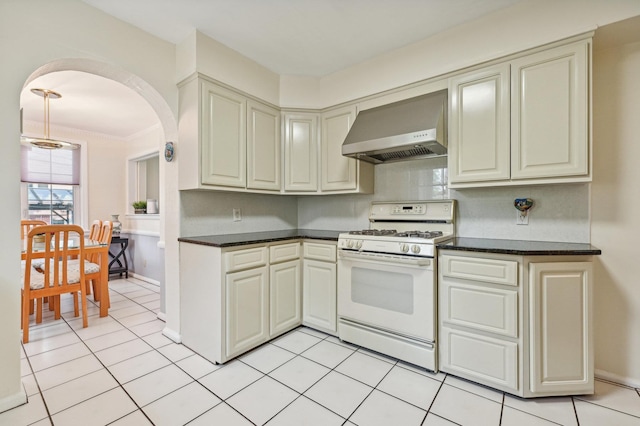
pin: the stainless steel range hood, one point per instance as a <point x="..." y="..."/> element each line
<point x="405" y="130"/>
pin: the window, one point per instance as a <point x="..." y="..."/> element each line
<point x="50" y="183"/>
<point x="54" y="204"/>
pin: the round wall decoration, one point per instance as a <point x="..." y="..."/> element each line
<point x="168" y="151"/>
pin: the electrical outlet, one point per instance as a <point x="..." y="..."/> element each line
<point x="237" y="215"/>
<point x="522" y="220"/>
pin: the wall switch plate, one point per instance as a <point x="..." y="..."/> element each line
<point x="237" y="215"/>
<point x="522" y="220"/>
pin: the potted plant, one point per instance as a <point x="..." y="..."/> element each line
<point x="140" y="207"/>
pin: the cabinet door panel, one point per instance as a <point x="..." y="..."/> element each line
<point x="338" y="172"/>
<point x="479" y="125"/>
<point x="223" y="139"/>
<point x="285" y="302"/>
<point x="247" y="305"/>
<point x="301" y="152"/>
<point x="319" y="295"/>
<point x="263" y="147"/>
<point x="550" y="113"/>
<point x="480" y="307"/>
<point x="491" y="361"/>
<point x="561" y="344"/>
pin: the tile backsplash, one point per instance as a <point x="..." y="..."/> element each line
<point x="560" y="212"/>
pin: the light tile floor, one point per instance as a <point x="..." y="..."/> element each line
<point x="121" y="370"/>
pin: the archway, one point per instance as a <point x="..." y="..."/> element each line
<point x="169" y="220"/>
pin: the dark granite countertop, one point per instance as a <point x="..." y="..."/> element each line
<point x="230" y="240"/>
<point x="518" y="247"/>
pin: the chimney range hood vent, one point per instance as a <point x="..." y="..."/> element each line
<point x="410" y="129"/>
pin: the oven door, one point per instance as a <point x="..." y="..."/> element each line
<point x="389" y="292"/>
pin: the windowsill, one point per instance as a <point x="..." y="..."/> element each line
<point x="145" y="216"/>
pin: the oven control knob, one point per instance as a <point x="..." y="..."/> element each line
<point x="350" y="243"/>
<point x="415" y="249"/>
<point x="404" y="247"/>
<point x="359" y="244"/>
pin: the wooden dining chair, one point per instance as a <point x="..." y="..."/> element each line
<point x="58" y="277"/>
<point x="93" y="265"/>
<point x="27" y="225"/>
<point x="96" y="228"/>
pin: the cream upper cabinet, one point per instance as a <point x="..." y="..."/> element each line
<point x="301" y="151"/>
<point x="263" y="146"/>
<point x="228" y="141"/>
<point x="479" y="125"/>
<point x="223" y="138"/>
<point x="525" y="121"/>
<point x="549" y="127"/>
<point x="338" y="172"/>
<point x="561" y="356"/>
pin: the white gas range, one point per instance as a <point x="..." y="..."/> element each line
<point x="387" y="279"/>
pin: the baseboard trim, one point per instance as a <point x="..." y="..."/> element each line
<point x="145" y="279"/>
<point x="626" y="381"/>
<point x="13" y="401"/>
<point x="171" y="334"/>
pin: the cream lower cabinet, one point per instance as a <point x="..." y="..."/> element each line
<point x="524" y="121"/>
<point x="319" y="298"/>
<point x="561" y="354"/>
<point x="247" y="308"/>
<point x="232" y="300"/>
<point x="285" y="288"/>
<point x="518" y="324"/>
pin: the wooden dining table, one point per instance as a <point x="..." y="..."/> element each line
<point x="91" y="247"/>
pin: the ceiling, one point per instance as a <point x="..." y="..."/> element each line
<point x="289" y="37"/>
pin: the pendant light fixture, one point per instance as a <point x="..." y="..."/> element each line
<point x="46" y="142"/>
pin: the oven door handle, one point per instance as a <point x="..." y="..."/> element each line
<point x="383" y="257"/>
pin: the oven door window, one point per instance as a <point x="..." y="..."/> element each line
<point x="391" y="291"/>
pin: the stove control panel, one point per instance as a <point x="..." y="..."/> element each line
<point x="434" y="210"/>
<point x="405" y="209"/>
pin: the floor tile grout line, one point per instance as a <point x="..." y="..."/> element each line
<point x="46" y="407"/>
<point x="609" y="408"/>
<point x="104" y="367"/>
<point x="530" y="414"/>
<point x="501" y="410"/>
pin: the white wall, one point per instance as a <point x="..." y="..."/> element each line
<point x="28" y="40"/>
<point x="560" y="213"/>
<point x="615" y="201"/>
<point x="209" y="212"/>
<point x="525" y="25"/>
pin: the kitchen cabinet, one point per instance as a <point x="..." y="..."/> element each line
<point x="285" y="287"/>
<point x="521" y="324"/>
<point x="561" y="356"/>
<point x="232" y="300"/>
<point x="301" y="152"/>
<point x="263" y="147"/>
<point x="524" y="121"/>
<point x="247" y="308"/>
<point x="228" y="141"/>
<point x="479" y="125"/>
<point x="319" y="300"/>
<point x="340" y="173"/>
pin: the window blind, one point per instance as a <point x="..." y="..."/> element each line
<point x="53" y="166"/>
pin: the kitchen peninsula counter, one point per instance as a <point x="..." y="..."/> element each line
<point x="230" y="240"/>
<point x="519" y="247"/>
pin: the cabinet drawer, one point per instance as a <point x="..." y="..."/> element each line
<point x="489" y="361"/>
<point x="495" y="271"/>
<point x="324" y="252"/>
<point x="245" y="259"/>
<point x="284" y="252"/>
<point x="488" y="309"/>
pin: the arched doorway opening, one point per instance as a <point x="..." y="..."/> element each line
<point x="166" y="130"/>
